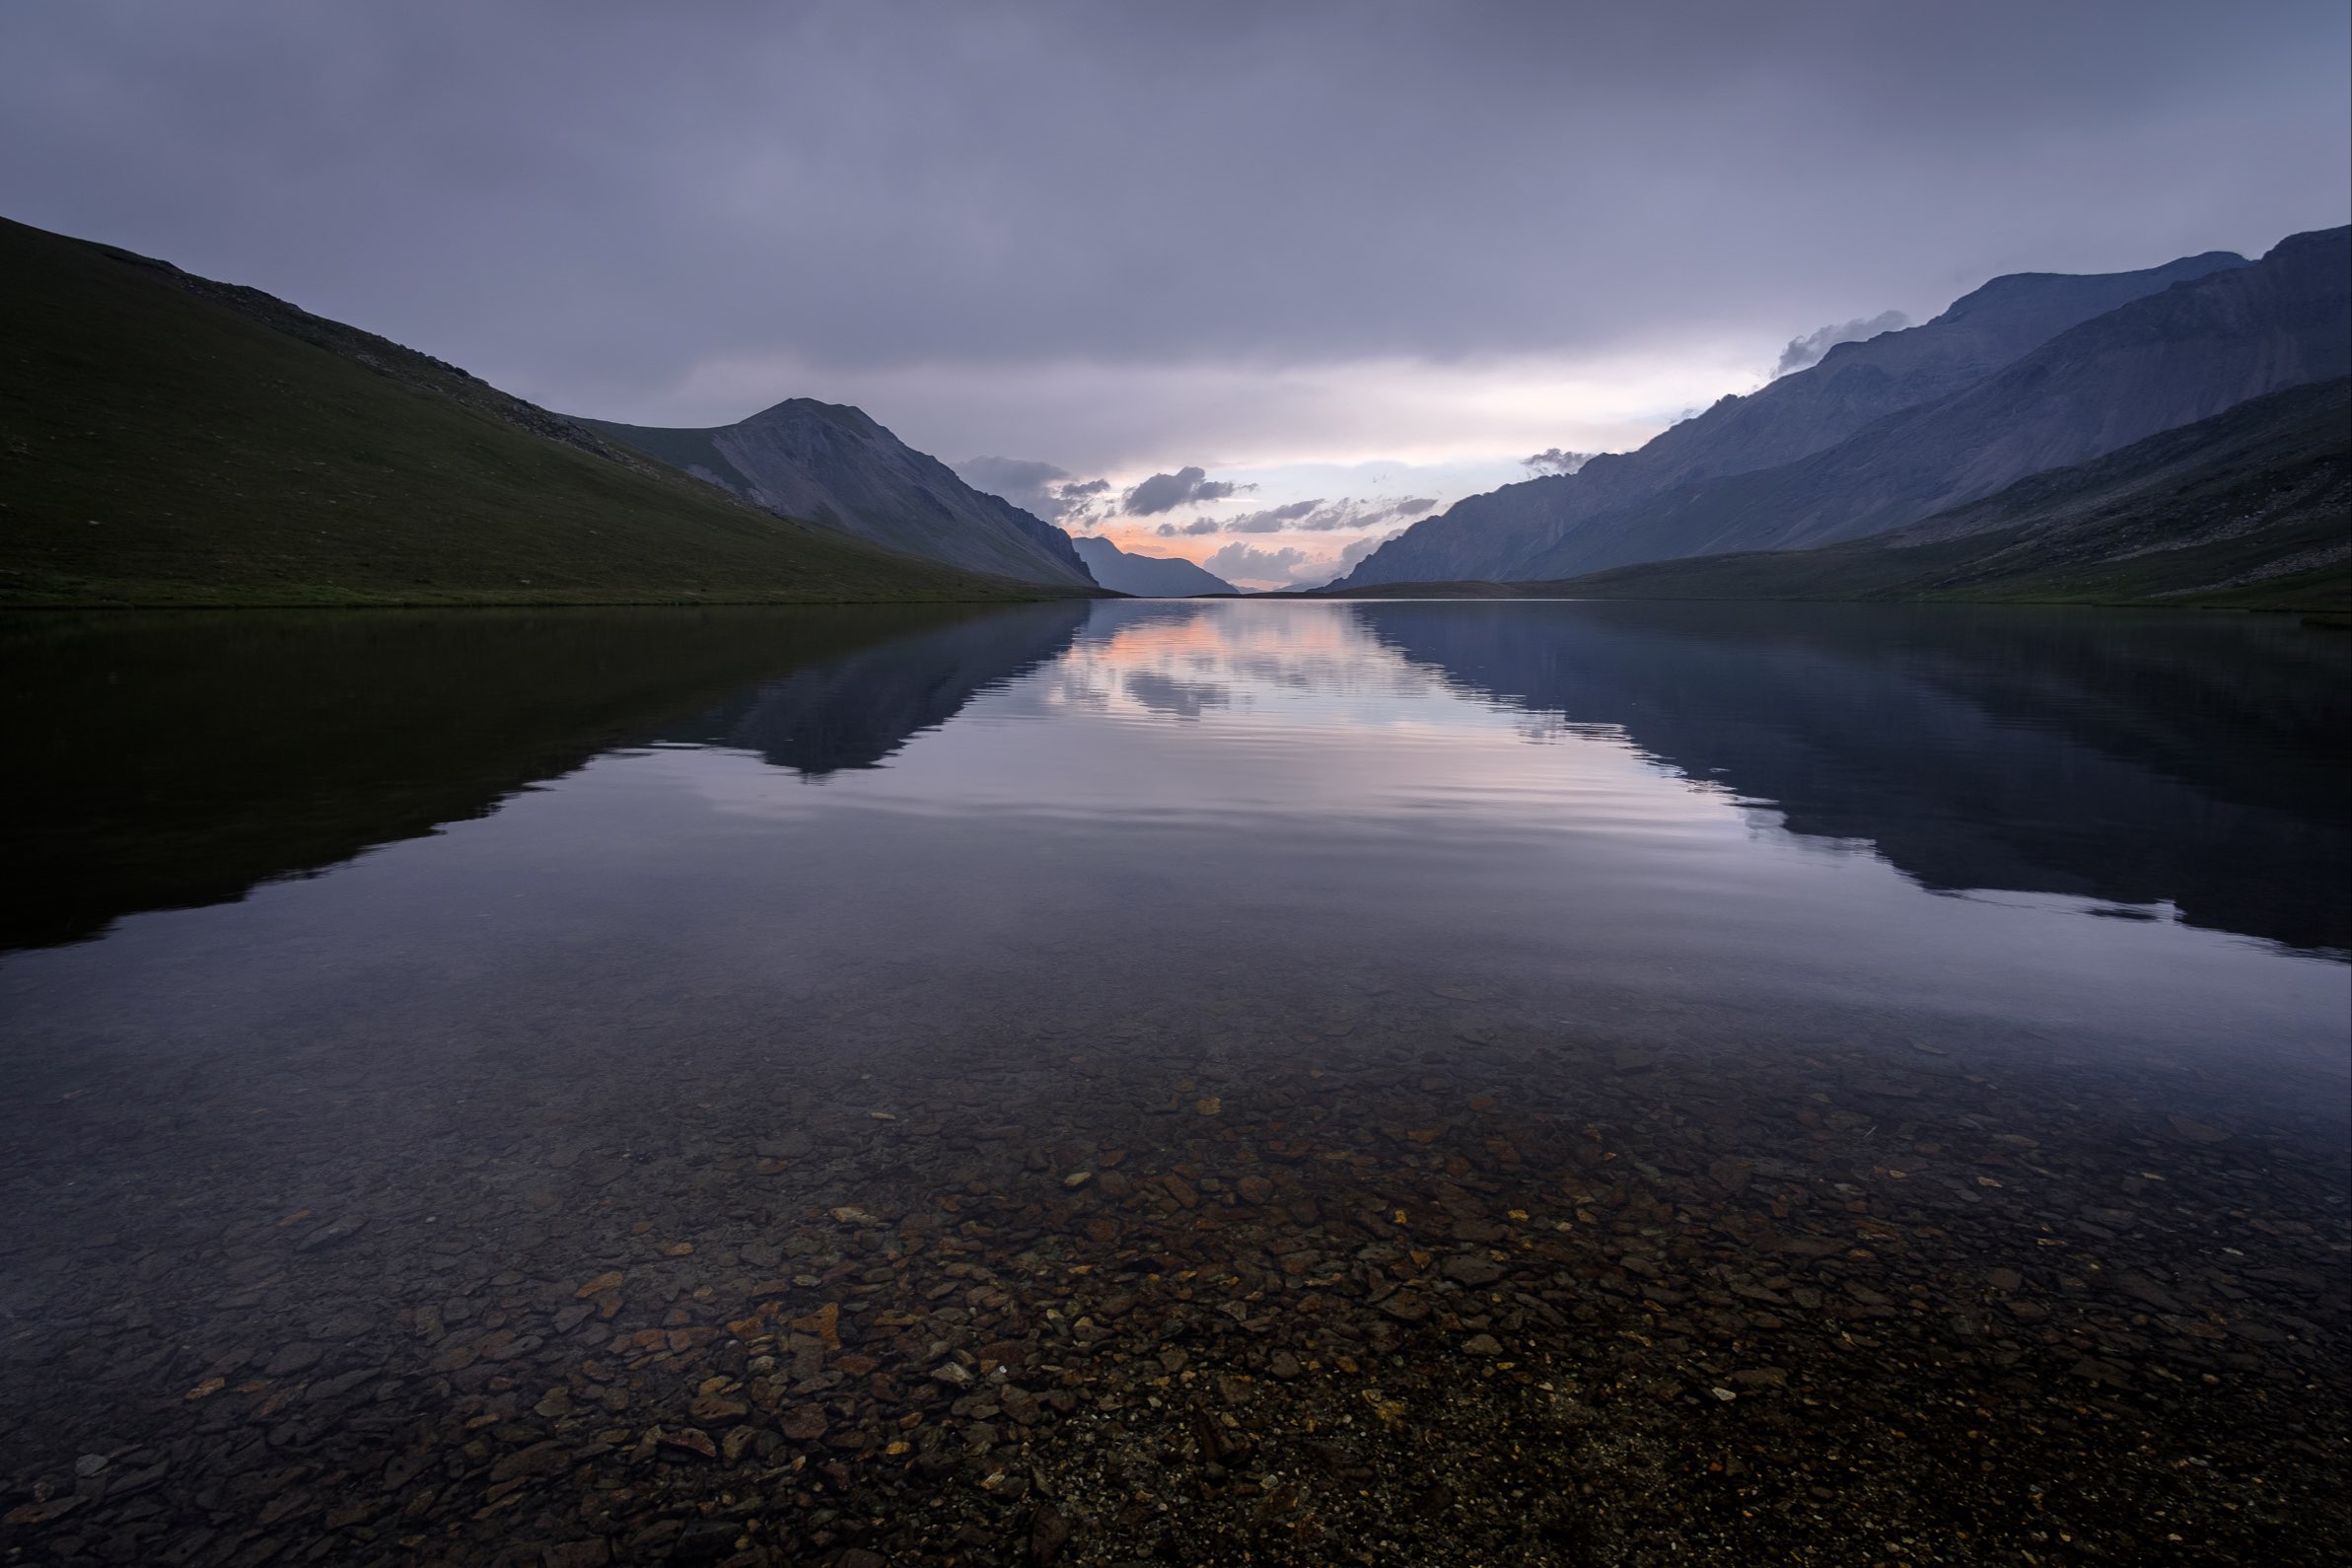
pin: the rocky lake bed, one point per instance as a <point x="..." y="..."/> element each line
<point x="1445" y="1284"/>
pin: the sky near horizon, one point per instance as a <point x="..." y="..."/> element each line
<point x="1253" y="283"/>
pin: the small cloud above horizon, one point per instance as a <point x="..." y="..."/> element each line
<point x="1164" y="492"/>
<point x="1553" y="459"/>
<point x="1318" y="516"/>
<point x="1805" y="352"/>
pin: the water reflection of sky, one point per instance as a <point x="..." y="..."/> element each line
<point x="1762" y="832"/>
<point x="1281" y="769"/>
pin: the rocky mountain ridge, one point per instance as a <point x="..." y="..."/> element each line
<point x="1497" y="535"/>
<point x="2162" y="361"/>
<point x="2246" y="509"/>
<point x="836" y="465"/>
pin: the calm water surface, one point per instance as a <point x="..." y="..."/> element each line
<point x="1410" y="1082"/>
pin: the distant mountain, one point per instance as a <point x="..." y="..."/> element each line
<point x="1146" y="576"/>
<point x="1495" y="535"/>
<point x="833" y="465"/>
<point x="2251" y="508"/>
<point x="2162" y="361"/>
<point x="167" y="439"/>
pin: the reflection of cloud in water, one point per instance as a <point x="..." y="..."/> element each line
<point x="1184" y="699"/>
<point x="1183" y="660"/>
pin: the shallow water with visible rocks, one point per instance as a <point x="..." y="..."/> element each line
<point x="1181" y="1082"/>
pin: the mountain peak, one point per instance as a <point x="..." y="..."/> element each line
<point x="801" y="410"/>
<point x="837" y="465"/>
<point x="2037" y="291"/>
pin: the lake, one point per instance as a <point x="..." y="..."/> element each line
<point x="1403" y="1082"/>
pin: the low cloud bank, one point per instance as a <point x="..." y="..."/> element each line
<point x="1325" y="517"/>
<point x="1552" y="460"/>
<point x="1807" y="350"/>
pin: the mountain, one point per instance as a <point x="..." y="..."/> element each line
<point x="1146" y="576"/>
<point x="2251" y="508"/>
<point x="832" y="464"/>
<point x="2162" y="361"/>
<point x="167" y="439"/>
<point x="1491" y="536"/>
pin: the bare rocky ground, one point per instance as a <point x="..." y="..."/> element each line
<point x="1420" y="1278"/>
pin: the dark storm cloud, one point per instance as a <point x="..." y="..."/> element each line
<point x="1164" y="492"/>
<point x="1809" y="349"/>
<point x="650" y="211"/>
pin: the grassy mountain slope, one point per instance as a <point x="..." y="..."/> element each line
<point x="2251" y="508"/>
<point x="167" y="440"/>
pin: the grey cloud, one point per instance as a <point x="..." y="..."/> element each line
<point x="1164" y="492"/>
<point x="1238" y="561"/>
<point x="1552" y="460"/>
<point x="1038" y="487"/>
<point x="674" y="214"/>
<point x="1809" y="349"/>
<point x="1019" y="480"/>
<point x="1321" y="516"/>
<point x="1273" y="520"/>
<point x="1198" y="525"/>
<point x="1184" y="699"/>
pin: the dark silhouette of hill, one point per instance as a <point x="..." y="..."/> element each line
<point x="168" y="440"/>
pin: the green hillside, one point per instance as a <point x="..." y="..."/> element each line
<point x="167" y="440"/>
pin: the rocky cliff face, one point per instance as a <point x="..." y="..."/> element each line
<point x="833" y="465"/>
<point x="1146" y="576"/>
<point x="1493" y="535"/>
<point x="2162" y="361"/>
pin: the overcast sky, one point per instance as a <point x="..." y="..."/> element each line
<point x="1302" y="247"/>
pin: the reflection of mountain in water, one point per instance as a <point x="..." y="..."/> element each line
<point x="856" y="710"/>
<point x="2129" y="760"/>
<point x="169" y="762"/>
